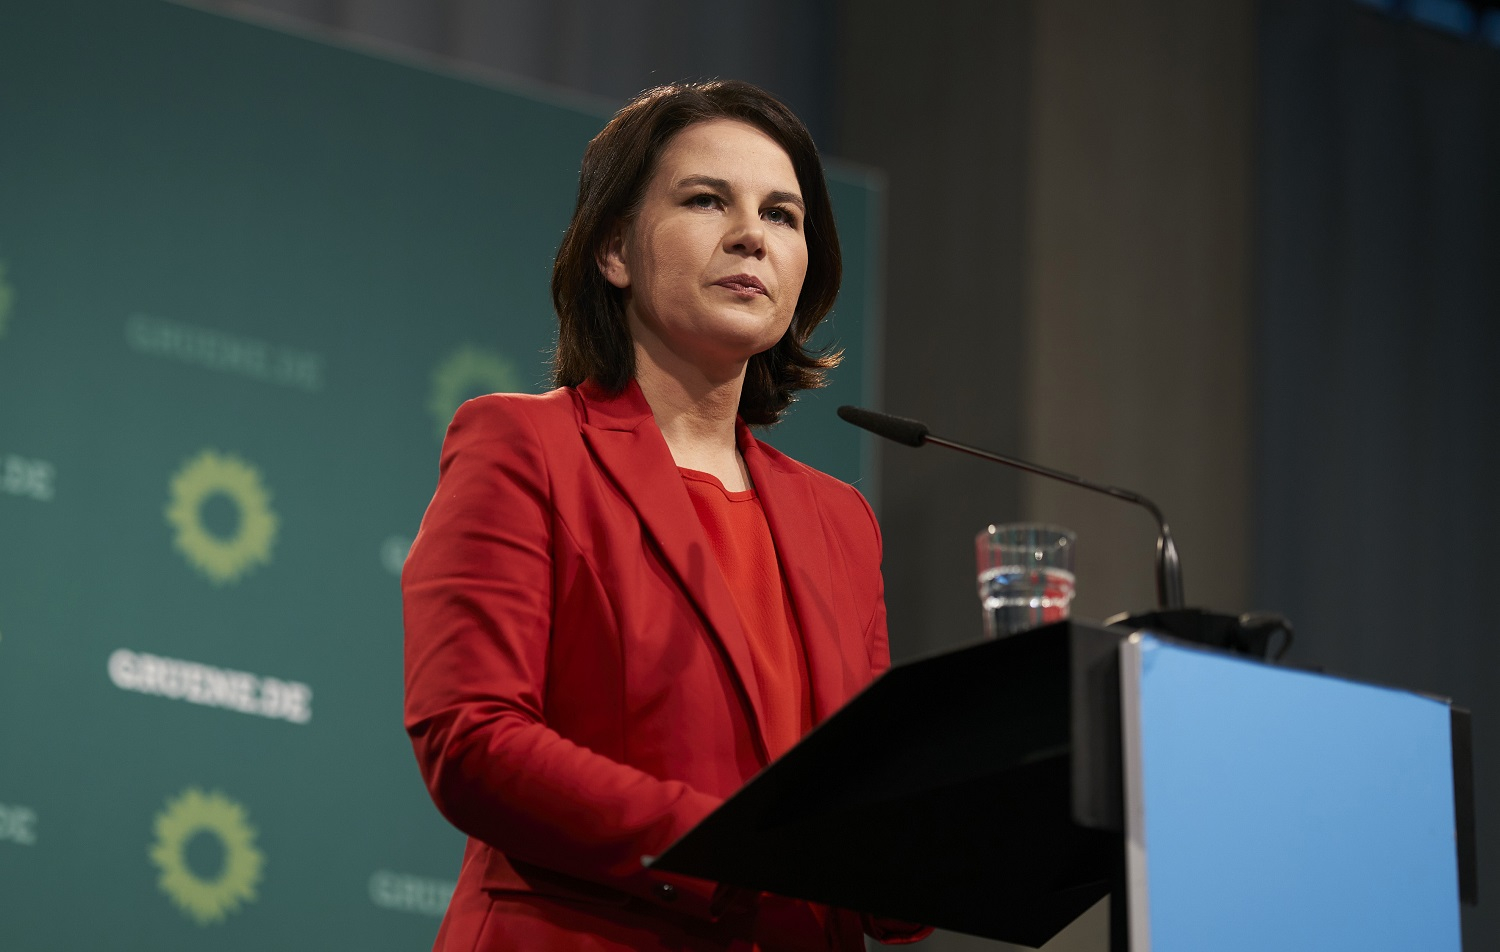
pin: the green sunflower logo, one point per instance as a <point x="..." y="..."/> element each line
<point x="223" y="558"/>
<point x="194" y="813"/>
<point x="469" y="372"/>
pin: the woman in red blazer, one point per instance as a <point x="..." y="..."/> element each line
<point x="621" y="605"/>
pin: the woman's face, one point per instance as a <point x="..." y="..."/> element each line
<point x="713" y="263"/>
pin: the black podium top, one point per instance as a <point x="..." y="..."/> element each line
<point x="976" y="790"/>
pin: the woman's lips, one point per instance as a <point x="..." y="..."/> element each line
<point x="746" y="284"/>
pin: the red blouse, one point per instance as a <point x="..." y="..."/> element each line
<point x="736" y="528"/>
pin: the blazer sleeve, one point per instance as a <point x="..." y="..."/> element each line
<point x="477" y="597"/>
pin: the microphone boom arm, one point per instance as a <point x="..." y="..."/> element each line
<point x="913" y="433"/>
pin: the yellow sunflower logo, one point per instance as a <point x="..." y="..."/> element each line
<point x="222" y="558"/>
<point x="468" y="372"/>
<point x="201" y="898"/>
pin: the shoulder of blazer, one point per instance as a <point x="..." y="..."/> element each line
<point x="499" y="416"/>
<point x="552" y="406"/>
<point x="517" y="431"/>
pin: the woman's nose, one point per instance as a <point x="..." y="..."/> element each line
<point x="746" y="237"/>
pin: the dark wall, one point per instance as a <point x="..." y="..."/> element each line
<point x="1138" y="305"/>
<point x="1379" y="338"/>
<point x="938" y="98"/>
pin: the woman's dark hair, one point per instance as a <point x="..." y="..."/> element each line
<point x="593" y="340"/>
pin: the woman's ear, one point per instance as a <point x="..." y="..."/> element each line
<point x="611" y="258"/>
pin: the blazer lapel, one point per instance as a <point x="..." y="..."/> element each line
<point x="802" y="546"/>
<point x="625" y="440"/>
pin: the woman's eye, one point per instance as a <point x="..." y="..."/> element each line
<point x="704" y="200"/>
<point x="780" y="216"/>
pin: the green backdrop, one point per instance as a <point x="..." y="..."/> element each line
<point x="245" y="278"/>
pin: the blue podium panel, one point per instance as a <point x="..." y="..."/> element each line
<point x="1277" y="809"/>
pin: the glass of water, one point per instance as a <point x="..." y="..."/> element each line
<point x="1025" y="575"/>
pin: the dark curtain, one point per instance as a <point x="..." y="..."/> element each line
<point x="1379" y="341"/>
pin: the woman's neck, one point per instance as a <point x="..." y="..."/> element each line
<point x="697" y="419"/>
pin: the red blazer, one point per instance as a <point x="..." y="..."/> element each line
<point x="578" y="686"/>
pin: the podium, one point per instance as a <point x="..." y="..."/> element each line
<point x="1002" y="789"/>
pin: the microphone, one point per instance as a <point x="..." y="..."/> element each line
<point x="914" y="433"/>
